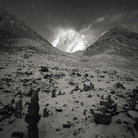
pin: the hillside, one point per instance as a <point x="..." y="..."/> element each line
<point x="117" y="41"/>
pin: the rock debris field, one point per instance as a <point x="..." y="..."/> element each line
<point x="75" y="101"/>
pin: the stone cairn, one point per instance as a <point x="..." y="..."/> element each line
<point x="33" y="117"/>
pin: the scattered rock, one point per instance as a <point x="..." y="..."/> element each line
<point x="44" y="69"/>
<point x="132" y="114"/>
<point x="136" y="123"/>
<point x="88" y="87"/>
<point x="45" y="113"/>
<point x="17" y="134"/>
<point x="53" y="94"/>
<point x="59" y="110"/>
<point x="28" y="91"/>
<point x="132" y="102"/>
<point x="101" y="118"/>
<point x="118" y="121"/>
<point x="119" y="85"/>
<point x="68" y="125"/>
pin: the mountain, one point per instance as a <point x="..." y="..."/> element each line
<point x="16" y="35"/>
<point x="117" y="41"/>
<point x="71" y="41"/>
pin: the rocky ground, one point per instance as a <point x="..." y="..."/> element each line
<point x="75" y="100"/>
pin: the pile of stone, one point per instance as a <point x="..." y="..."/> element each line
<point x="33" y="117"/>
<point x="105" y="113"/>
<point x="88" y="87"/>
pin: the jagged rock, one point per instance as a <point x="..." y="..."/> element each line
<point x="135" y="91"/>
<point x="119" y="85"/>
<point x="18" y="108"/>
<point x="45" y="113"/>
<point x="33" y="108"/>
<point x="88" y="87"/>
<point x="59" y="110"/>
<point x="28" y="91"/>
<point x="132" y="102"/>
<point x="28" y="72"/>
<point x="53" y="94"/>
<point x="68" y="125"/>
<point x="112" y="92"/>
<point x="12" y="119"/>
<point x="132" y="114"/>
<point x="118" y="121"/>
<point x="32" y="119"/>
<point x="76" y="88"/>
<point x="44" y="69"/>
<point x="78" y="74"/>
<point x="47" y="76"/>
<point x="91" y="110"/>
<point x="101" y="118"/>
<point x="136" y="123"/>
<point x="17" y="134"/>
<point x="33" y="131"/>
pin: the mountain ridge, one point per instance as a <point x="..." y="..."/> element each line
<point x="117" y="41"/>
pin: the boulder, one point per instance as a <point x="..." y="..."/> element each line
<point x="67" y="125"/>
<point x="28" y="91"/>
<point x="119" y="85"/>
<point x="136" y="123"/>
<point x="44" y="69"/>
<point x="17" y="134"/>
<point x="32" y="119"/>
<point x="101" y="118"/>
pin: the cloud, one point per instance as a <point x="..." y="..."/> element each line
<point x="85" y="29"/>
<point x="89" y="33"/>
<point x="132" y="14"/>
<point x="101" y="19"/>
<point x="118" y="17"/>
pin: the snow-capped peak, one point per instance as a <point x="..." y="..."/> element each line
<point x="70" y="41"/>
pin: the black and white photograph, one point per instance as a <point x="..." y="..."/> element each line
<point x="68" y="68"/>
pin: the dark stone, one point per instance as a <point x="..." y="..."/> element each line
<point x="88" y="87"/>
<point x="136" y="124"/>
<point x="78" y="74"/>
<point x="32" y="119"/>
<point x="45" y="113"/>
<point x="33" y="131"/>
<point x="47" y="76"/>
<point x="119" y="85"/>
<point x="59" y="110"/>
<point x="112" y="92"/>
<point x="91" y="110"/>
<point x="132" y="102"/>
<point x="118" y="121"/>
<point x="17" y="134"/>
<point x="33" y="108"/>
<point x="53" y="94"/>
<point x="101" y="118"/>
<point x="28" y="91"/>
<point x="68" y="125"/>
<point x="44" y="69"/>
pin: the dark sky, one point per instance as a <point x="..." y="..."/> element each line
<point x="91" y="18"/>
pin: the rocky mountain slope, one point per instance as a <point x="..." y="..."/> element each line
<point x="15" y="35"/>
<point x="71" y="41"/>
<point x="116" y="41"/>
